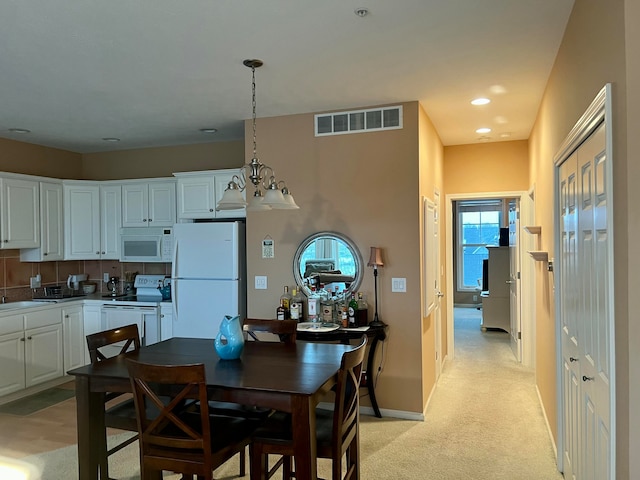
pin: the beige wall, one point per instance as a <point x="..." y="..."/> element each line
<point x="592" y="53"/>
<point x="365" y="186"/>
<point x="484" y="167"/>
<point x="431" y="173"/>
<point x="162" y="162"/>
<point x="632" y="171"/>
<point x="20" y="157"/>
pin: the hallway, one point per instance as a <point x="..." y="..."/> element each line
<point x="486" y="409"/>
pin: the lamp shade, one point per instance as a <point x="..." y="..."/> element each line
<point x="232" y="198"/>
<point x="256" y="204"/>
<point x="274" y="198"/>
<point x="375" y="257"/>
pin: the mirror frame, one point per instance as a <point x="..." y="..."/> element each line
<point x="357" y="259"/>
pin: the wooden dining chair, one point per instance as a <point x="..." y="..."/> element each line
<point x="286" y="331"/>
<point x="187" y="442"/>
<point x="122" y="415"/>
<point x="336" y="431"/>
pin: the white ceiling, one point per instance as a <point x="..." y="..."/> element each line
<point x="154" y="72"/>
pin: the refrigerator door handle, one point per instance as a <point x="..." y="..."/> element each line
<point x="174" y="257"/>
<point x="174" y="303"/>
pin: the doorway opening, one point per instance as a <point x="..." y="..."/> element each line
<point x="521" y="280"/>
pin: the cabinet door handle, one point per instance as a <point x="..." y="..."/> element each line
<point x="211" y="210"/>
<point x="103" y="253"/>
<point x="573" y="359"/>
<point x="98" y="252"/>
<point x="150" y="220"/>
<point x="144" y="219"/>
<point x="45" y="254"/>
<point x="6" y="241"/>
<point x="22" y="339"/>
<point x="587" y="379"/>
<point x="29" y="337"/>
<point x="66" y="316"/>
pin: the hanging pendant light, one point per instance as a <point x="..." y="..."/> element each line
<point x="277" y="195"/>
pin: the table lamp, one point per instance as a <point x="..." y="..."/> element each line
<point x="375" y="261"/>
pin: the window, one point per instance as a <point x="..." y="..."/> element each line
<point x="478" y="225"/>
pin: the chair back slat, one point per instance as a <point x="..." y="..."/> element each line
<point x="128" y="334"/>
<point x="347" y="400"/>
<point x="285" y="329"/>
<point x="166" y="427"/>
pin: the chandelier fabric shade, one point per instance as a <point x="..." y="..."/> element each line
<point x="276" y="195"/>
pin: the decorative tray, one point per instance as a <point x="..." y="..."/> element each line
<point x="317" y="327"/>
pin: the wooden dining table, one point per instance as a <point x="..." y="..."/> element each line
<point x="289" y="378"/>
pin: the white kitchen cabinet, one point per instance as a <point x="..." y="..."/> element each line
<point x="51" y="226"/>
<point x="166" y="320"/>
<point x="20" y="213"/>
<point x="31" y="349"/>
<point x="151" y="204"/>
<point x="12" y="361"/>
<point x="43" y="354"/>
<point x="92" y="320"/>
<point x="74" y="339"/>
<point x="110" y="221"/>
<point x="92" y="220"/>
<point x="199" y="192"/>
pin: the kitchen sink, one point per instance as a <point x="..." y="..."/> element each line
<point x="22" y="304"/>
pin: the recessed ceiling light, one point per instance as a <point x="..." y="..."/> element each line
<point x="480" y="101"/>
<point x="361" y="12"/>
<point x="498" y="89"/>
<point x="505" y="135"/>
<point x="19" y="130"/>
<point x="111" y="139"/>
<point x="208" y="130"/>
<point x="483" y="130"/>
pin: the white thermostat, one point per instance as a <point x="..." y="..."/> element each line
<point x="267" y="248"/>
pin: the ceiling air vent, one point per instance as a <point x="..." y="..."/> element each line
<point x="358" y="121"/>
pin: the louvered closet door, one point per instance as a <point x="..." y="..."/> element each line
<point x="584" y="314"/>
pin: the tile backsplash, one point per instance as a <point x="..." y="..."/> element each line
<point x="15" y="275"/>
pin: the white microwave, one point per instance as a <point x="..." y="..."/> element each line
<point x="150" y="244"/>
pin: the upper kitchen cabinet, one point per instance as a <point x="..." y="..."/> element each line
<point x="92" y="220"/>
<point x="20" y="212"/>
<point x="51" y="226"/>
<point x="199" y="192"/>
<point x="149" y="203"/>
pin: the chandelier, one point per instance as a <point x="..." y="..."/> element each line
<point x="268" y="192"/>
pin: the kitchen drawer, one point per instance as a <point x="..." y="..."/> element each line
<point x="11" y="324"/>
<point x="42" y="318"/>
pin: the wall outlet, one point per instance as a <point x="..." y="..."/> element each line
<point x="105" y="277"/>
<point x="399" y="285"/>
<point x="34" y="282"/>
<point x="475" y="298"/>
<point x="261" y="282"/>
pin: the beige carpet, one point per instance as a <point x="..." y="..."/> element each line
<point x="484" y="422"/>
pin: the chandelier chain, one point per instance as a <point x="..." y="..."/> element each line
<point x="253" y="106"/>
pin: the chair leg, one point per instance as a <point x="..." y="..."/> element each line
<point x="243" y="462"/>
<point x="259" y="465"/>
<point x="286" y="468"/>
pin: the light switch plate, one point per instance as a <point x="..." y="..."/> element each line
<point x="399" y="285"/>
<point x="261" y="282"/>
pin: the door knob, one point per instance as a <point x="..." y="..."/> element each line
<point x="587" y="379"/>
<point x="440" y="294"/>
<point x="573" y="359"/>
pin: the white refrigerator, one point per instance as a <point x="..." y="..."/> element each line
<point x="208" y="278"/>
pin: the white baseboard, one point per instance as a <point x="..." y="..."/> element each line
<point x="546" y="421"/>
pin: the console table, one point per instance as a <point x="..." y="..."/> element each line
<point x="374" y="335"/>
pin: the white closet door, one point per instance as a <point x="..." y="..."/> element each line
<point x="585" y="316"/>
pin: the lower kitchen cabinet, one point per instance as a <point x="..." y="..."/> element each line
<point x="31" y="350"/>
<point x="166" y="320"/>
<point x="92" y="320"/>
<point x="43" y="354"/>
<point x="74" y="339"/>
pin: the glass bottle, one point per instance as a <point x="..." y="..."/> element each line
<point x="295" y="308"/>
<point x="313" y="307"/>
<point x="326" y="304"/>
<point x="353" y="308"/>
<point x="281" y="311"/>
<point x="285" y="298"/>
<point x="362" y="314"/>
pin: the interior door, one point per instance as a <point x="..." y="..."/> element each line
<point x="584" y="317"/>
<point x="514" y="278"/>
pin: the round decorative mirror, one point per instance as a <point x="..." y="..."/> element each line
<point x="329" y="259"/>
